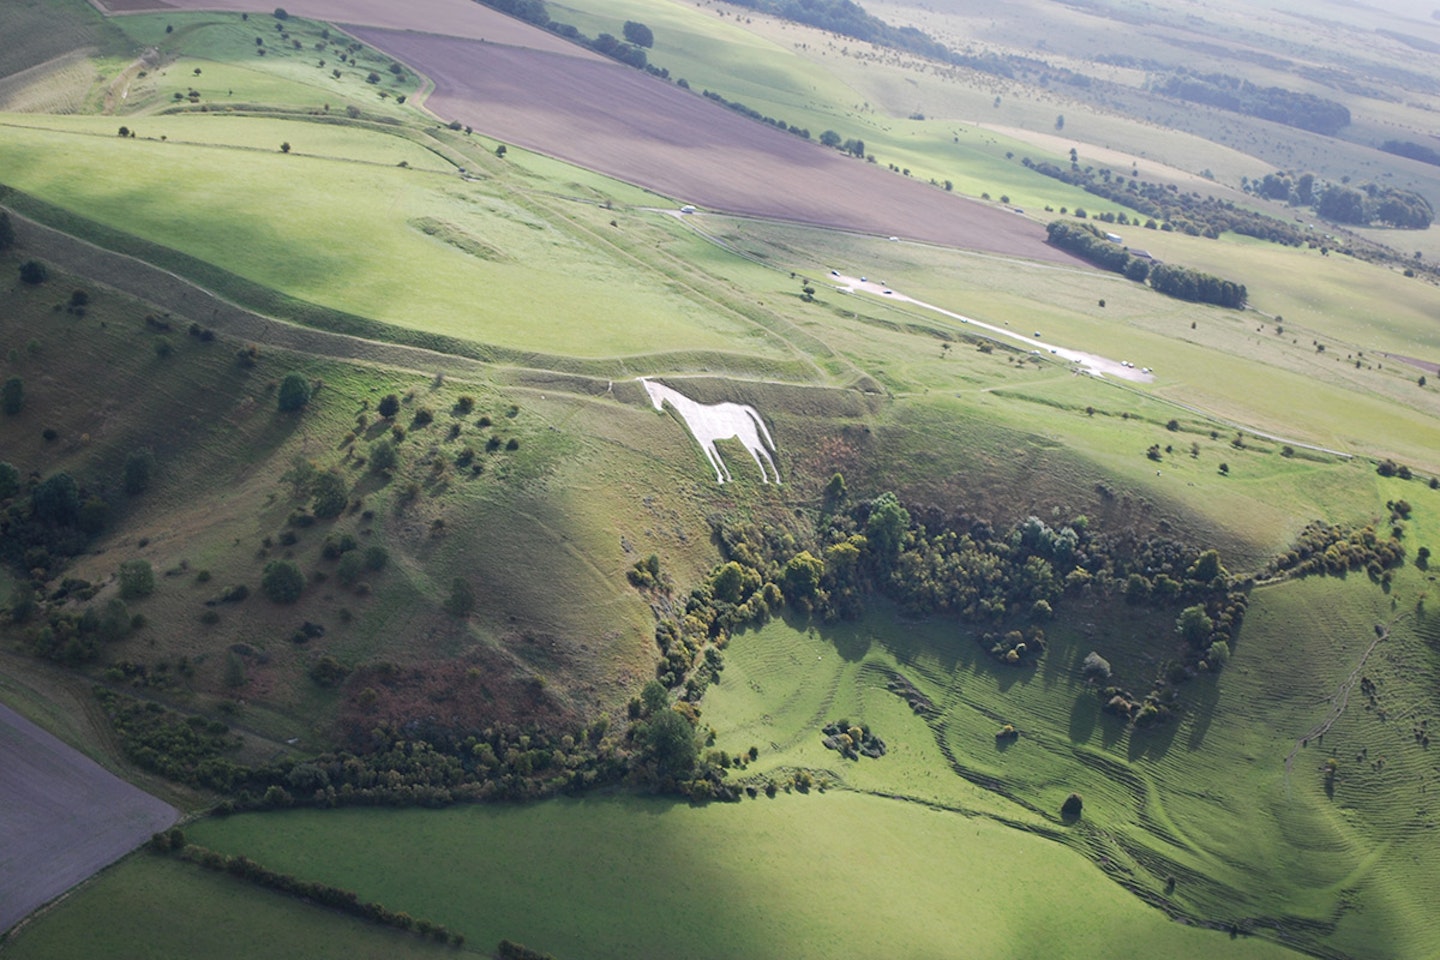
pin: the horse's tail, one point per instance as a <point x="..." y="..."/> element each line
<point x="761" y="424"/>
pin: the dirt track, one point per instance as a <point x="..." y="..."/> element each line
<point x="62" y="817"/>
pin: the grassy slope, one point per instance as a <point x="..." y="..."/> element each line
<point x="230" y="438"/>
<point x="132" y="910"/>
<point x="997" y="449"/>
<point x="637" y="877"/>
<point x="1208" y="801"/>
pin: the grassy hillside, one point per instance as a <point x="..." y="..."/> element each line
<point x="267" y="227"/>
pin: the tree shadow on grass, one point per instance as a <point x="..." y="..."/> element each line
<point x="1112" y="729"/>
<point x="1084" y="715"/>
<point x="1205" y="701"/>
<point x="1153" y="742"/>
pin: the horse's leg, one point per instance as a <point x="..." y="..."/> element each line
<point x="713" y="455"/>
<point x="773" y="469"/>
<point x="752" y="444"/>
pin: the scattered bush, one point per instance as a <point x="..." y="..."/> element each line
<point x="383" y="456"/>
<point x="294" y="392"/>
<point x="461" y="600"/>
<point x="139" y="466"/>
<point x="12" y="396"/>
<point x="137" y="579"/>
<point x="1072" y="807"/>
<point x="282" y="581"/>
<point x="33" y="272"/>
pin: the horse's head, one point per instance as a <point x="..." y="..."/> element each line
<point x="657" y="393"/>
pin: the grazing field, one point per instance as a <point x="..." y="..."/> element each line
<point x="63" y="817"/>
<point x="132" y="909"/>
<point x="626" y="877"/>
<point x="1210" y="803"/>
<point x="461" y="259"/>
<point x="327" y="353"/>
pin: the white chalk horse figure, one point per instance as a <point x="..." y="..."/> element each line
<point x="709" y="422"/>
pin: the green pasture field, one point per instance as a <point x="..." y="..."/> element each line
<point x="1207" y="801"/>
<point x="223" y="47"/>
<point x="131" y="910"/>
<point x="834" y="875"/>
<point x="1223" y="366"/>
<point x="459" y="258"/>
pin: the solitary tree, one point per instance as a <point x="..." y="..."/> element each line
<point x="10" y="481"/>
<point x="639" y="34"/>
<point x="1095" y="667"/>
<point x="285" y="147"/>
<point x="462" y="598"/>
<point x="294" y="392"/>
<point x="33" y="272"/>
<point x="138" y="467"/>
<point x="389" y="405"/>
<point x="12" y="396"/>
<point x="331" y="495"/>
<point x="382" y="456"/>
<point x="282" y="581"/>
<point x="137" y="579"/>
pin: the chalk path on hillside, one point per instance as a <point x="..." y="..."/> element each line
<point x="1091" y="362"/>
<point x="62" y="817"/>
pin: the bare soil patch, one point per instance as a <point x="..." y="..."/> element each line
<point x="452" y="18"/>
<point x="63" y="817"/>
<point x="629" y="125"/>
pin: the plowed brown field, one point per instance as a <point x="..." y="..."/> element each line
<point x="62" y="817"/>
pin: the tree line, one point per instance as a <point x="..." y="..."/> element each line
<point x="1169" y="209"/>
<point x="850" y="20"/>
<point x="1005" y="582"/>
<point x="1237" y="95"/>
<point x="1087" y="242"/>
<point x="740" y="108"/>
<point x="335" y="898"/>
<point x="1360" y="204"/>
<point x="628" y="51"/>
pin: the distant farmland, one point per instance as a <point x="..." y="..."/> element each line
<point x="624" y="123"/>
